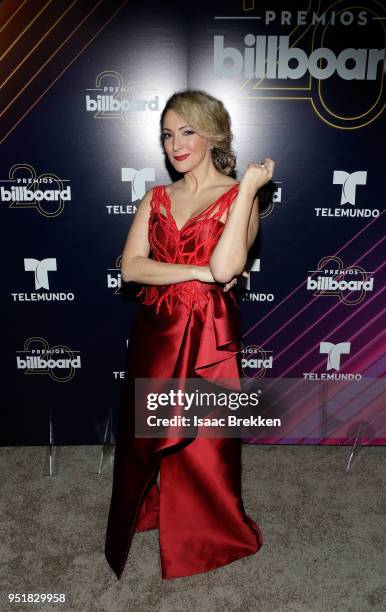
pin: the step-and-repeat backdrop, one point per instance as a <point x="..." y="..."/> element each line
<point x="82" y="88"/>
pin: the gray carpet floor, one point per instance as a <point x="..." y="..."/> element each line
<point x="324" y="536"/>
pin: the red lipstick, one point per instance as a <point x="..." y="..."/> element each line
<point x="181" y="157"/>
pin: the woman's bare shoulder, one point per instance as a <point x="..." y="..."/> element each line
<point x="176" y="186"/>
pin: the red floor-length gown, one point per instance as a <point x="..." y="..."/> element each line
<point x="183" y="330"/>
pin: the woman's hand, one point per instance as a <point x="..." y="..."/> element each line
<point x="234" y="280"/>
<point x="257" y="174"/>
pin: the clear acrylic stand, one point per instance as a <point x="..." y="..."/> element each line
<point x="324" y="417"/>
<point x="108" y="447"/>
<point x="50" y="467"/>
<point x="356" y="445"/>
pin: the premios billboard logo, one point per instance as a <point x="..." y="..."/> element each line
<point x="37" y="357"/>
<point x="331" y="16"/>
<point x="271" y="57"/>
<point x="268" y="199"/>
<point x="112" y="97"/>
<point x="25" y="188"/>
<point x="351" y="284"/>
<point x="114" y="276"/>
<point x="255" y="361"/>
<point x="302" y="55"/>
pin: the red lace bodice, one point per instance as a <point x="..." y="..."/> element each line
<point x="192" y="244"/>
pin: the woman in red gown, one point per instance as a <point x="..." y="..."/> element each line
<point x="187" y="245"/>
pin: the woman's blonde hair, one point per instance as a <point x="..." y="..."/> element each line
<point x="210" y="119"/>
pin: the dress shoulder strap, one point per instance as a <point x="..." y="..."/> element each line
<point x="224" y="202"/>
<point x="155" y="197"/>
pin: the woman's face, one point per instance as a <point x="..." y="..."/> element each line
<point x="181" y="141"/>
